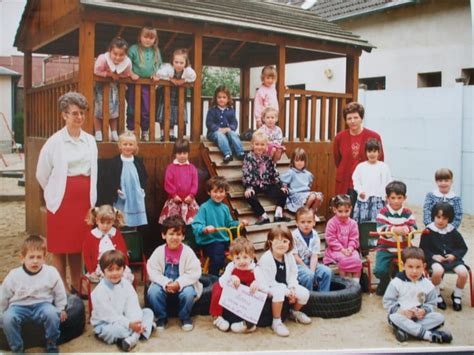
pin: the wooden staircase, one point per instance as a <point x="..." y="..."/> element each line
<point x="239" y="208"/>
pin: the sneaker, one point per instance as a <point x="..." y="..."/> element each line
<point x="439" y="336"/>
<point x="227" y="159"/>
<point x="115" y="137"/>
<point x="281" y="219"/>
<point x="243" y="327"/>
<point x="145" y="136"/>
<point x="161" y="324"/>
<point x="172" y="138"/>
<point x="280" y="329"/>
<point x="128" y="343"/>
<point x="221" y="324"/>
<point x="98" y="136"/>
<point x="187" y="325"/>
<point x="457" y="305"/>
<point x="241" y="156"/>
<point x="51" y="347"/>
<point x="441" y="303"/>
<point x="299" y="317"/>
<point x="261" y="221"/>
<point x="401" y="336"/>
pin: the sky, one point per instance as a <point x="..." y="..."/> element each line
<point x="10" y="15"/>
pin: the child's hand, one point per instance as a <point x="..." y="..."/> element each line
<point x="235" y="281"/>
<point x="177" y="82"/>
<point x="253" y="287"/>
<point x="120" y="193"/>
<point x="244" y="222"/>
<point x="284" y="189"/>
<point x="209" y="229"/>
<point x="407" y="313"/>
<point x="249" y="192"/>
<point x="362" y="195"/>
<point x="172" y="287"/>
<point x="177" y="199"/>
<point x="188" y="200"/>
<point x="114" y="76"/>
<point x="450" y="258"/>
<point x="439" y="258"/>
<point x="291" y="295"/>
<point x="224" y="130"/>
<point x="63" y="316"/>
<point x="136" y="327"/>
<point x="134" y="76"/>
<point x="419" y="313"/>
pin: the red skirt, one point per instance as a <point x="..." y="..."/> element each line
<point x="66" y="229"/>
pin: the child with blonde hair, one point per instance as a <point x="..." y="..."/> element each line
<point x="105" y="236"/>
<point x="259" y="175"/>
<point x="298" y="181"/>
<point x="278" y="275"/>
<point x="274" y="134"/>
<point x="179" y="72"/>
<point x="113" y="64"/>
<point x="342" y="239"/>
<point x="33" y="291"/>
<point x="266" y="95"/>
<point x="123" y="180"/>
<point x="146" y="59"/>
<point x="116" y="315"/>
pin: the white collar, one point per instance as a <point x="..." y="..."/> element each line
<point x="127" y="159"/>
<point x="445" y="230"/>
<point x="117" y="68"/>
<point x="437" y="193"/>
<point x="67" y="137"/>
<point x="392" y="211"/>
<point x="176" y="162"/>
<point x="98" y="234"/>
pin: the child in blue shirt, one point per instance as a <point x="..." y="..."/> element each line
<point x="213" y="214"/>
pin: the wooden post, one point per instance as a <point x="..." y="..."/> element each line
<point x="281" y="86"/>
<point x="352" y="76"/>
<point x="27" y="109"/>
<point x="86" y="69"/>
<point x="245" y="99"/>
<point x="196" y="119"/>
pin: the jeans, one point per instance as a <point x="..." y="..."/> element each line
<point x="322" y="275"/>
<point x="226" y="141"/>
<point x="44" y="313"/>
<point x="158" y="299"/>
<point x="111" y="332"/>
<point x="216" y="253"/>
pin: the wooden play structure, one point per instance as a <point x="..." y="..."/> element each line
<point x="232" y="33"/>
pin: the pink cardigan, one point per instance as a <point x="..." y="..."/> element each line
<point x="340" y="235"/>
<point x="265" y="97"/>
<point x="181" y="180"/>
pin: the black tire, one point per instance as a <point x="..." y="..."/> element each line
<point x="266" y="317"/>
<point x="201" y="307"/>
<point x="344" y="299"/>
<point x="33" y="333"/>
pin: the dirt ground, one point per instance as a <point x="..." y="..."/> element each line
<point x="368" y="329"/>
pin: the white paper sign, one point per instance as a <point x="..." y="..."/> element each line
<point x="242" y="303"/>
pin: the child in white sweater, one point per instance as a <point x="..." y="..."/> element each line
<point x="33" y="291"/>
<point x="116" y="313"/>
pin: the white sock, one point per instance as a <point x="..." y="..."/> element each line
<point x="114" y="136"/>
<point x="356" y="279"/>
<point x="427" y="335"/>
<point x="276" y="321"/>
<point x="457" y="292"/>
<point x="278" y="212"/>
<point x="438" y="292"/>
<point x="264" y="215"/>
<point x="162" y="133"/>
<point x="171" y="132"/>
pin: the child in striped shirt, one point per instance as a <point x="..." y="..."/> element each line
<point x="396" y="218"/>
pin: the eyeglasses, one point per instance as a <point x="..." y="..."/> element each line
<point x="76" y="114"/>
<point x="281" y="241"/>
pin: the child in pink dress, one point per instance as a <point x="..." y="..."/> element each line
<point x="181" y="184"/>
<point x="266" y="95"/>
<point x="342" y="239"/>
<point x="274" y="134"/>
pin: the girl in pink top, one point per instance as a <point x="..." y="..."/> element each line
<point x="113" y="64"/>
<point x="181" y="184"/>
<point x="274" y="134"/>
<point x="266" y="95"/>
<point x="342" y="239"/>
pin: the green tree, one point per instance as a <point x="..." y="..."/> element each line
<point x="212" y="77"/>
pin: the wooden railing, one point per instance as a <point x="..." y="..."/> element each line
<point x="313" y="115"/>
<point x="42" y="112"/>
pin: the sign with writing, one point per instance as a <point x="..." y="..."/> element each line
<point x="240" y="302"/>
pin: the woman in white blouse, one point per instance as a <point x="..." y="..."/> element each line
<point x="67" y="172"/>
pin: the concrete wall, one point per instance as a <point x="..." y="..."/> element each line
<point x="6" y="109"/>
<point x="424" y="130"/>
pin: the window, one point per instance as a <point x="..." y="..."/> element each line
<point x="468" y="76"/>
<point x="429" y="80"/>
<point x="376" y="83"/>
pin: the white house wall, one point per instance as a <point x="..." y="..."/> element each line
<point x="5" y="107"/>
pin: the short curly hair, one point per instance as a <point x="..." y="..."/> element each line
<point x="72" y="98"/>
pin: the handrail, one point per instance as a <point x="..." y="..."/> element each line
<point x="54" y="85"/>
<point x="317" y="93"/>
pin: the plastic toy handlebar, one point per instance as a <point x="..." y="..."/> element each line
<point x="228" y="230"/>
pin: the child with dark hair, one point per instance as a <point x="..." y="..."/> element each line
<point x="212" y="214"/>
<point x="181" y="185"/>
<point x="445" y="248"/>
<point x="410" y="300"/>
<point x="34" y="291"/>
<point x="116" y="315"/>
<point x="396" y="218"/>
<point x="174" y="271"/>
<point x="444" y="181"/>
<point x="370" y="178"/>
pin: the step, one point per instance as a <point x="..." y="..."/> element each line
<point x="219" y="162"/>
<point x="235" y="175"/>
<point x="213" y="148"/>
